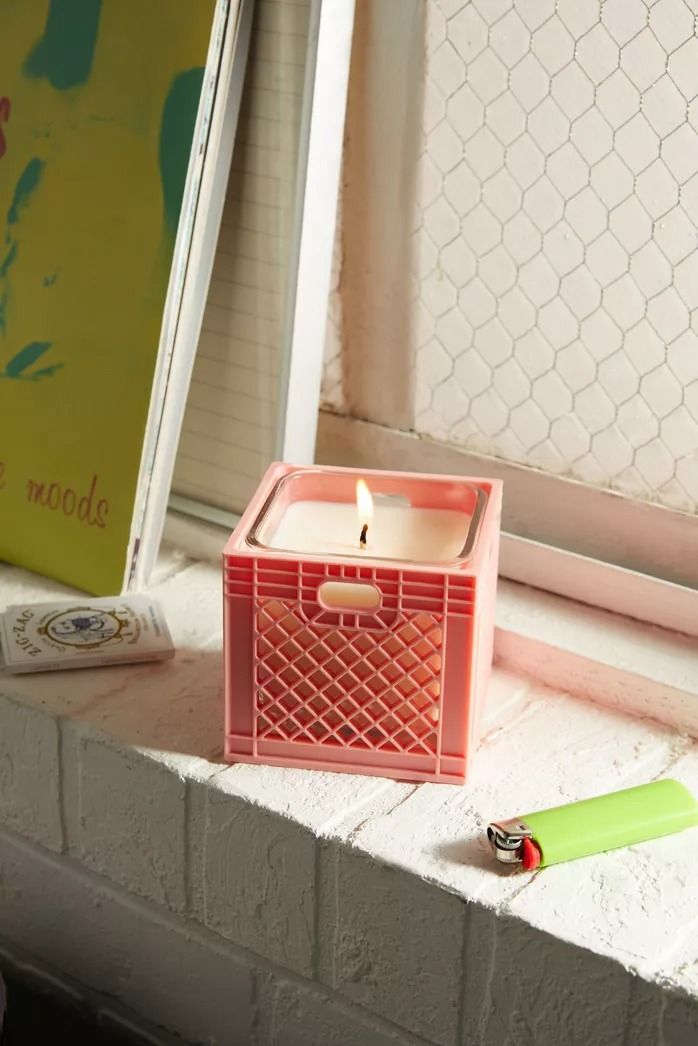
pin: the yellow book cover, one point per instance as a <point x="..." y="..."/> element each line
<point x="98" y="105"/>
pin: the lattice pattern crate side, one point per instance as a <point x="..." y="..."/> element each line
<point x="238" y="653"/>
<point x="348" y="688"/>
<point x="389" y="692"/>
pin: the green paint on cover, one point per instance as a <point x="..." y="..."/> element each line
<point x="65" y="52"/>
<point x="26" y="184"/>
<point x="9" y="259"/>
<point x="45" y="372"/>
<point x="25" y="358"/>
<point x="48" y="281"/>
<point x="176" y="131"/>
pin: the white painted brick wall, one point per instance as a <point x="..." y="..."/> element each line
<point x="291" y="1014"/>
<point x="167" y="970"/>
<point x="524" y="984"/>
<point x="263" y="906"/>
<point x="396" y="946"/>
<point x="123" y="798"/>
<point x="259" y="881"/>
<point x="29" y="774"/>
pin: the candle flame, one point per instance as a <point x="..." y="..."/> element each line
<point x="364" y="503"/>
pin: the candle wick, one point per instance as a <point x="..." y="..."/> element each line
<point x="362" y="539"/>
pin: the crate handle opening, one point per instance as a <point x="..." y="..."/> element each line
<point x="345" y="595"/>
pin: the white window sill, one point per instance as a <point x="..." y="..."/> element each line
<point x="334" y="894"/>
<point x="628" y="665"/>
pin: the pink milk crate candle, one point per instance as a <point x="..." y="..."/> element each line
<point x="359" y="618"/>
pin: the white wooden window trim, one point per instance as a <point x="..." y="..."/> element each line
<point x="322" y="127"/>
<point x="599" y="584"/>
<point x="565" y="513"/>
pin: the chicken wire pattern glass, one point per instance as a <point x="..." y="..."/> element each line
<point x="556" y="240"/>
<point x="556" y="270"/>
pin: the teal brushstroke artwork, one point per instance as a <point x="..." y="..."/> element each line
<point x="26" y="184"/>
<point x="7" y="263"/>
<point x="9" y="259"/>
<point x="45" y="372"/>
<point x="48" y="281"/>
<point x="176" y="129"/>
<point x="20" y="363"/>
<point x="65" y="52"/>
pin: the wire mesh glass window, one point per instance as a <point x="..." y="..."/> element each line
<point x="554" y="308"/>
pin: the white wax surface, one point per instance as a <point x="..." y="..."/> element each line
<point x="396" y="531"/>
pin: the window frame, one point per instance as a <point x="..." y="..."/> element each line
<point x="558" y="534"/>
<point x="317" y="176"/>
<point x="589" y="544"/>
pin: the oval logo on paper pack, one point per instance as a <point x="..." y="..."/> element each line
<point x="83" y="627"/>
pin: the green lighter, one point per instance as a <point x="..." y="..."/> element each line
<point x="591" y="826"/>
